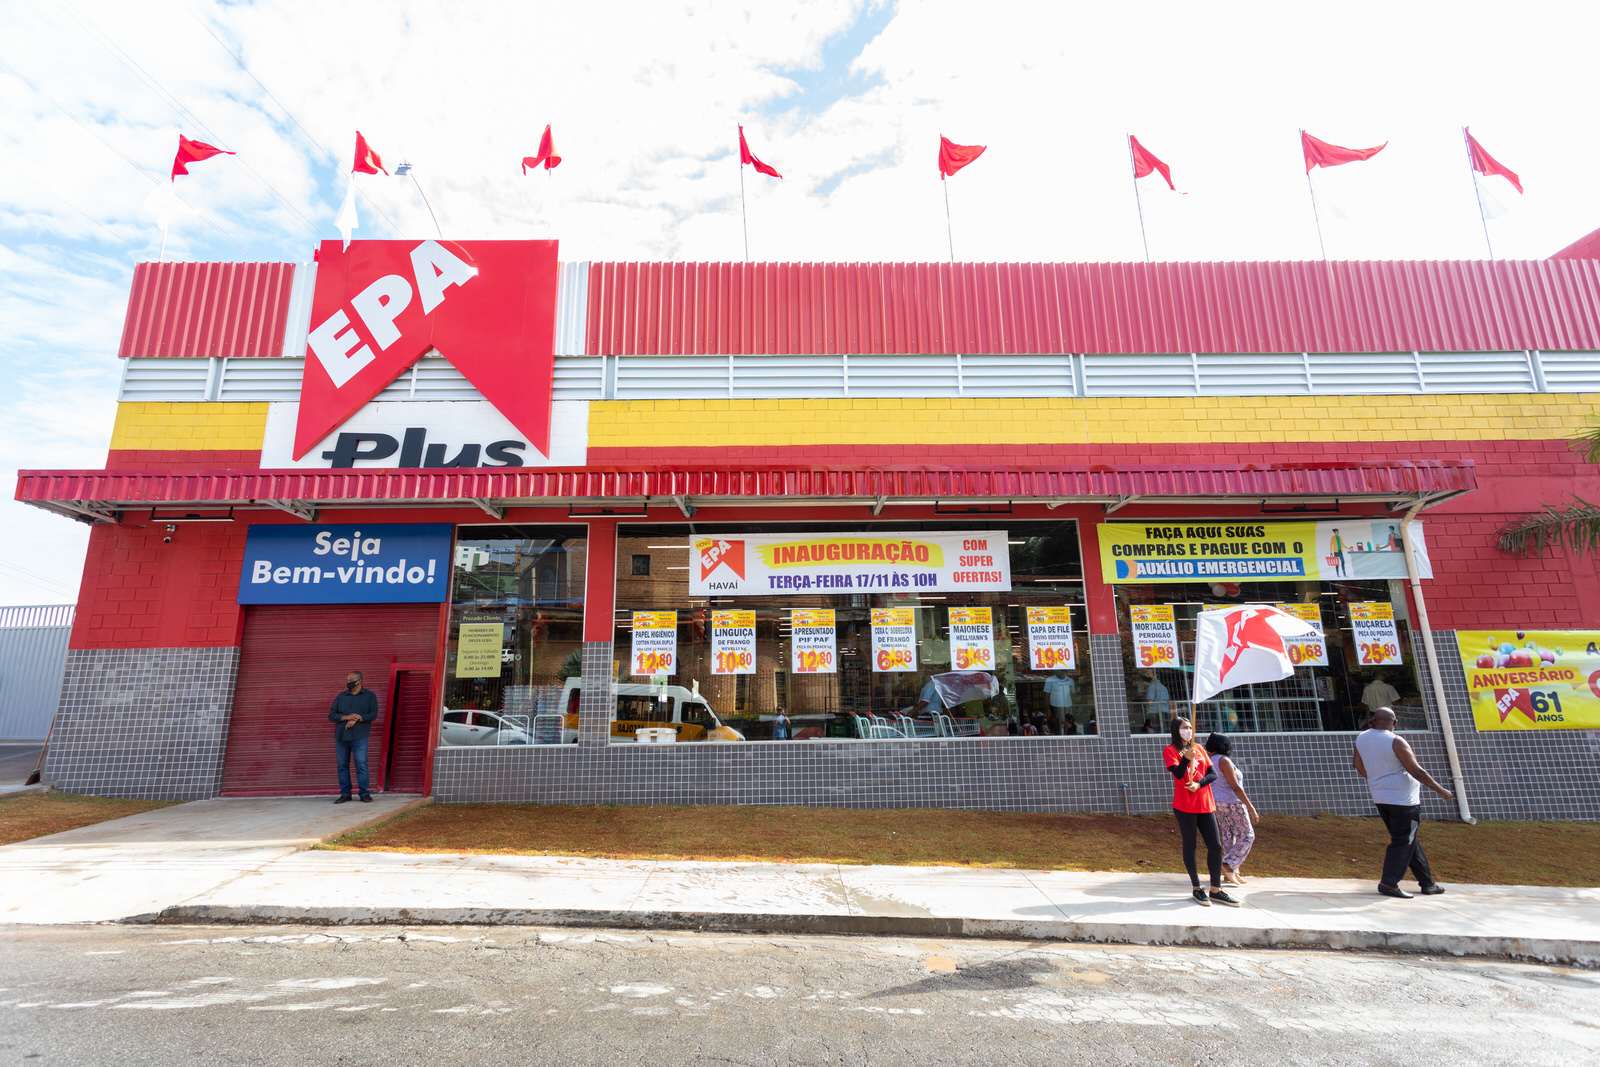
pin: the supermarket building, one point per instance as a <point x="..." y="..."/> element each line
<point x="915" y="534"/>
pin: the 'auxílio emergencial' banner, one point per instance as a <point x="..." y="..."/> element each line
<point x="1341" y="550"/>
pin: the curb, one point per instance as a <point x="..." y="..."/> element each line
<point x="1584" y="954"/>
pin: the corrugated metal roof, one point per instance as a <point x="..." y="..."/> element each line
<point x="900" y="308"/>
<point x="109" y="490"/>
<point x="207" y="309"/>
<point x="1585" y="247"/>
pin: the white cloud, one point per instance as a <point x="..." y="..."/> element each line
<point x="644" y="99"/>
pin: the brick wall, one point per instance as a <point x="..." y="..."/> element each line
<point x="140" y="593"/>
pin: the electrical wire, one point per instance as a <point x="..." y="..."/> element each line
<point x="9" y="69"/>
<point x="182" y="111"/>
<point x="287" y="113"/>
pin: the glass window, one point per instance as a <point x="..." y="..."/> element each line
<point x="1316" y="698"/>
<point x="516" y="632"/>
<point x="951" y="692"/>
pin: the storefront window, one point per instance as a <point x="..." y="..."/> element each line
<point x="827" y="649"/>
<point x="1318" y="697"/>
<point x="516" y="634"/>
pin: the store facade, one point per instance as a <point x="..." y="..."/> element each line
<point x="856" y="535"/>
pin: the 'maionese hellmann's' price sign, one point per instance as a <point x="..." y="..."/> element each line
<point x="972" y="639"/>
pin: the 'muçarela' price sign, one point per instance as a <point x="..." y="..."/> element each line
<point x="359" y="563"/>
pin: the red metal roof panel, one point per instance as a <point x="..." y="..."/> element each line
<point x="207" y="309"/>
<point x="1004" y="308"/>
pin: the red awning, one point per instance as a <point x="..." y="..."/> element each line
<point x="100" y="494"/>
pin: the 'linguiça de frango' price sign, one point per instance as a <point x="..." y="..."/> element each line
<point x="964" y="561"/>
<point x="1377" y="641"/>
<point x="733" y="642"/>
<point x="1532" y="679"/>
<point x="972" y="639"/>
<point x="894" y="639"/>
<point x="1155" y="635"/>
<point x="812" y="647"/>
<point x="1050" y="644"/>
<point x="1312" y="649"/>
<point x="655" y="642"/>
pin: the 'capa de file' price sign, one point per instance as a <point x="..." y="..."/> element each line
<point x="894" y="640"/>
<point x="1377" y="641"/>
<point x="733" y="642"/>
<point x="813" y="648"/>
<point x="1050" y="644"/>
<point x="972" y="639"/>
<point x="1155" y="635"/>
<point x="655" y="643"/>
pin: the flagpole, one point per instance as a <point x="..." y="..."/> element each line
<point x="1477" y="191"/>
<point x="1134" y="170"/>
<point x="1313" y="194"/>
<point x="744" y="215"/>
<point x="948" y="231"/>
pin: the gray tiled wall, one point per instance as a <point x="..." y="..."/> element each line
<point x="1509" y="776"/>
<point x="149" y="722"/>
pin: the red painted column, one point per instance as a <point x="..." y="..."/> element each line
<point x="600" y="581"/>
<point x="1099" y="597"/>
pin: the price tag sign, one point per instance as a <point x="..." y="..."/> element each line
<point x="1050" y="645"/>
<point x="1312" y="649"/>
<point x="1377" y="641"/>
<point x="1155" y="635"/>
<point x="733" y="642"/>
<point x="655" y="643"/>
<point x="972" y="639"/>
<point x="812" y="646"/>
<point x="894" y="640"/>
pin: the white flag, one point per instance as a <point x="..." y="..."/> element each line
<point x="346" y="219"/>
<point x="1242" y="646"/>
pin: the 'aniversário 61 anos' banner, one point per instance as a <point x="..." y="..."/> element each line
<point x="1532" y="679"/>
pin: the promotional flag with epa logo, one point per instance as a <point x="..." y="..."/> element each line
<point x="1242" y="646"/>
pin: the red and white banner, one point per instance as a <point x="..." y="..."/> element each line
<point x="1242" y="646"/>
<point x="489" y="307"/>
<point x="733" y="642"/>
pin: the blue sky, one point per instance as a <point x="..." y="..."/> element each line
<point x="847" y="99"/>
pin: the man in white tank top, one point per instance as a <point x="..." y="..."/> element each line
<point x="1394" y="778"/>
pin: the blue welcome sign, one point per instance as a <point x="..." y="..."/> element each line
<point x="358" y="563"/>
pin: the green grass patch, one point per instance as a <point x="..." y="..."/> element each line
<point x="24" y="816"/>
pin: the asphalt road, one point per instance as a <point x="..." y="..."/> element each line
<point x="306" y="996"/>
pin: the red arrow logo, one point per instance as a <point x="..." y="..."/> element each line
<point x="489" y="307"/>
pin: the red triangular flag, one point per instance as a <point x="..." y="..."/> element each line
<point x="367" y="161"/>
<point x="746" y="156"/>
<point x="194" y="151"/>
<point x="952" y="156"/>
<point x="547" y="154"/>
<point x="1320" y="153"/>
<point x="1485" y="164"/>
<point x="1145" y="161"/>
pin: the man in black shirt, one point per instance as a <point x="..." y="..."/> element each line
<point x="352" y="714"/>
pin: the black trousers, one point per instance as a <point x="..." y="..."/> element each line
<point x="1206" y="824"/>
<point x="1404" y="849"/>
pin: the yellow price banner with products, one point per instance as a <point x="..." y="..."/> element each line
<point x="1532" y="679"/>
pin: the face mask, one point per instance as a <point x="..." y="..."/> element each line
<point x="1186" y="734"/>
<point x="352" y="686"/>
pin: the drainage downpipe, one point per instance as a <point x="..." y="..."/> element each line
<point x="1433" y="665"/>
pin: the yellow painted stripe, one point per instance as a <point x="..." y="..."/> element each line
<point x="1134" y="420"/>
<point x="155" y="424"/>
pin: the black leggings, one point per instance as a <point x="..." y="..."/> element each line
<point x="1206" y="823"/>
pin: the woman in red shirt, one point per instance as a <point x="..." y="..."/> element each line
<point x="1192" y="775"/>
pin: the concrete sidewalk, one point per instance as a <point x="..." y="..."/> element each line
<point x="243" y="861"/>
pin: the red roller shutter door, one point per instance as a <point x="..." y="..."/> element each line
<point x="292" y="664"/>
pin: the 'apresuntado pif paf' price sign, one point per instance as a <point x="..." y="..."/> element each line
<point x="1155" y="635"/>
<point x="1050" y="645"/>
<point x="733" y="642"/>
<point x="1310" y="650"/>
<point x="894" y="640"/>
<point x="813" y="648"/>
<point x="1377" y="640"/>
<point x="655" y="643"/>
<point x="972" y="639"/>
<point x="1532" y="679"/>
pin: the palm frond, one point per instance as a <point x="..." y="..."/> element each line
<point x="1587" y="441"/>
<point x="1575" y="525"/>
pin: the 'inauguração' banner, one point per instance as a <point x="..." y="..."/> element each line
<point x="775" y="564"/>
<point x="1342" y="550"/>
<point x="1532" y="679"/>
